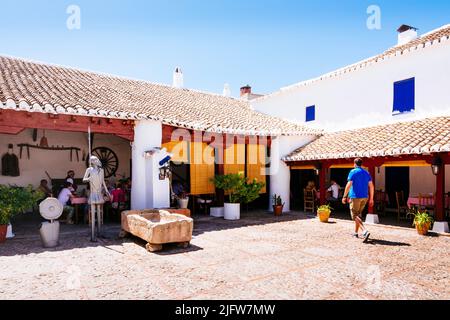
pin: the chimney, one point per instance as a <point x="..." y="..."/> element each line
<point x="226" y="90"/>
<point x="178" y="80"/>
<point x="406" y="34"/>
<point x="246" y="90"/>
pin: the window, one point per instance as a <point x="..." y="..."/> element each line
<point x="310" y="113"/>
<point x="404" y="96"/>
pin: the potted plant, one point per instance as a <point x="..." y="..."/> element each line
<point x="422" y="222"/>
<point x="239" y="190"/>
<point x="324" y="212"/>
<point x="233" y="185"/>
<point x="278" y="205"/>
<point x="15" y="200"/>
<point x="250" y="191"/>
<point x="183" y="200"/>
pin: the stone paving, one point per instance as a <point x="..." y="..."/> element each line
<point x="258" y="257"/>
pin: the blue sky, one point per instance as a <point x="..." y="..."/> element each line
<point x="265" y="43"/>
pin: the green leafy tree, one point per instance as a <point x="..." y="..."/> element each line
<point x="250" y="191"/>
<point x="232" y="184"/>
<point x="15" y="200"/>
<point x="238" y="188"/>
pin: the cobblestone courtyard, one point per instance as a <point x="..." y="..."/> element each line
<point x="259" y="257"/>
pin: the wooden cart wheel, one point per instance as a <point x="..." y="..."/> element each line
<point x="109" y="160"/>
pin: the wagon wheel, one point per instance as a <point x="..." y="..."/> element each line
<point x="109" y="160"/>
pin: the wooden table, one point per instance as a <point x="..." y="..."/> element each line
<point x="413" y="201"/>
<point x="76" y="203"/>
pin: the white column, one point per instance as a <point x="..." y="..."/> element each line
<point x="280" y="174"/>
<point x="148" y="192"/>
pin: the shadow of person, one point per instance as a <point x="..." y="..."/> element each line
<point x="376" y="242"/>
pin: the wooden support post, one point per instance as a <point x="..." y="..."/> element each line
<point x="440" y="195"/>
<point x="220" y="170"/>
<point x="372" y="173"/>
<point x="322" y="182"/>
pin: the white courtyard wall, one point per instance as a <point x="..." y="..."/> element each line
<point x="364" y="97"/>
<point x="57" y="163"/>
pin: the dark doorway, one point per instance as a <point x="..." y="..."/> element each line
<point x="397" y="179"/>
<point x="299" y="180"/>
<point x="340" y="176"/>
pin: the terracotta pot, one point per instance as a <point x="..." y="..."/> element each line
<point x="3" y="231"/>
<point x="423" y="229"/>
<point x="278" y="210"/>
<point x="324" y="215"/>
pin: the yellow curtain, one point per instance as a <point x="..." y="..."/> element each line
<point x="256" y="164"/>
<point x="202" y="168"/>
<point x="179" y="149"/>
<point x="234" y="161"/>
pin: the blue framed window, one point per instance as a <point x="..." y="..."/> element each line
<point x="310" y="113"/>
<point x="404" y="96"/>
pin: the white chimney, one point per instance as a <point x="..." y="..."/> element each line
<point x="178" y="80"/>
<point x="226" y="90"/>
<point x="406" y="34"/>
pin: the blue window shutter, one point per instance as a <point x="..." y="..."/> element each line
<point x="310" y="113"/>
<point x="404" y="96"/>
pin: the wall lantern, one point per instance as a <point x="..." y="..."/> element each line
<point x="318" y="168"/>
<point x="164" y="172"/>
<point x="436" y="165"/>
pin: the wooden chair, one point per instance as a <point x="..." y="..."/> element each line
<point x="203" y="202"/>
<point x="309" y="199"/>
<point x="427" y="202"/>
<point x="380" y="201"/>
<point x="403" y="211"/>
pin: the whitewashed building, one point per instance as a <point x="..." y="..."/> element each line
<point x="406" y="83"/>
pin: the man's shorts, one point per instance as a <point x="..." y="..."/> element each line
<point x="357" y="207"/>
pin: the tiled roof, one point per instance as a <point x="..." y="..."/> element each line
<point x="417" y="137"/>
<point x="37" y="87"/>
<point x="437" y="36"/>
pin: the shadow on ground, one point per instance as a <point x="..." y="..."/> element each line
<point x="387" y="243"/>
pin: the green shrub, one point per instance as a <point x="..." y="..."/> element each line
<point x="422" y="218"/>
<point x="238" y="188"/>
<point x="250" y="191"/>
<point x="15" y="200"/>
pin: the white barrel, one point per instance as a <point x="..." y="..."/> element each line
<point x="232" y="211"/>
<point x="50" y="234"/>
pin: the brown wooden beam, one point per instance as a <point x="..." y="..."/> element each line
<point x="21" y="119"/>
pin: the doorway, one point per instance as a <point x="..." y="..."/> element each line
<point x="299" y="181"/>
<point x="397" y="179"/>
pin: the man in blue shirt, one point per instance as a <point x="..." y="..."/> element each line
<point x="359" y="190"/>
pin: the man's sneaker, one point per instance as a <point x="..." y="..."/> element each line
<point x="355" y="235"/>
<point x="366" y="236"/>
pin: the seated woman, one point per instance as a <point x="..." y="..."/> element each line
<point x="64" y="198"/>
<point x="311" y="186"/>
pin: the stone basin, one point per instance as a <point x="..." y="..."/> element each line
<point x="158" y="227"/>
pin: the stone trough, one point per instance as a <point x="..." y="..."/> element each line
<point x="158" y="227"/>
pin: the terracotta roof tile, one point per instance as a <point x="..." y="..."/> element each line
<point x="38" y="87"/>
<point x="415" y="137"/>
